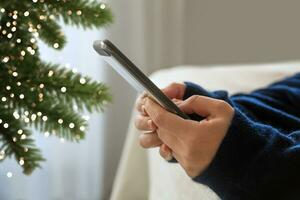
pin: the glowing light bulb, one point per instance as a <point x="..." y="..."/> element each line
<point x="26" y="13"/>
<point x="102" y="6"/>
<point x="5" y="125"/>
<point x="63" y="89"/>
<point x="71" y="125"/>
<point x="55" y="45"/>
<point x="44" y="118"/>
<point x="82" y="81"/>
<point x="9" y="174"/>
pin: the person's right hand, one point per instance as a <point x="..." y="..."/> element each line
<point x="149" y="137"/>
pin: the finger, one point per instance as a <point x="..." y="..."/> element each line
<point x="165" y="152"/>
<point x="174" y="90"/>
<point x="161" y="117"/>
<point x="170" y="127"/>
<point x="144" y="123"/>
<point x="140" y="102"/>
<point x="149" y="140"/>
<point x="201" y="105"/>
<point x="177" y="101"/>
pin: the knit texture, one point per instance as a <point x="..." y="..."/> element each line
<point x="259" y="157"/>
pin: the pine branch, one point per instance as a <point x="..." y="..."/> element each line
<point x="16" y="141"/>
<point x="40" y="95"/>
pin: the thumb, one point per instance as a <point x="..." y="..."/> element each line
<point x="200" y="105"/>
<point x="175" y="90"/>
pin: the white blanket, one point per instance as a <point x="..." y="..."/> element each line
<point x="143" y="174"/>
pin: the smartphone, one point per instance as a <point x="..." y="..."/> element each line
<point x="132" y="74"/>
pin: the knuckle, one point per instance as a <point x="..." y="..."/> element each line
<point x="193" y="99"/>
<point x="220" y="105"/>
<point x="159" y="118"/>
<point x="223" y="107"/>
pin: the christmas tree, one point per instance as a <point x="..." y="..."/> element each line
<point x="38" y="95"/>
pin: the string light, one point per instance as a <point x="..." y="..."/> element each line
<point x="14" y="139"/>
<point x="39" y="114"/>
<point x="2" y="10"/>
<point x="23" y="137"/>
<point x="82" y="128"/>
<point x="2" y="155"/>
<point x="21" y="161"/>
<point x="26" y="13"/>
<point x="79" y="12"/>
<point x="55" y="45"/>
<point x="50" y="73"/>
<point x="9" y="174"/>
<point x="71" y="125"/>
<point x="33" y="117"/>
<point x="42" y="17"/>
<point x="26" y="149"/>
<point x="86" y="117"/>
<point x="15" y="74"/>
<point x="63" y="89"/>
<point x="20" y="131"/>
<point x="82" y="81"/>
<point x="5" y="59"/>
<point x="26" y="113"/>
<point x="3" y="99"/>
<point x="8" y="87"/>
<point x="16" y="115"/>
<point x="1" y="121"/>
<point x="26" y="120"/>
<point x="19" y="40"/>
<point x="46" y="134"/>
<point x="102" y="6"/>
<point x="44" y="118"/>
<point x="5" y="125"/>
<point x="21" y="96"/>
<point x="60" y="121"/>
<point x="41" y="85"/>
<point x="13" y="29"/>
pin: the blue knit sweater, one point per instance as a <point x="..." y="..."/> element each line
<point x="259" y="157"/>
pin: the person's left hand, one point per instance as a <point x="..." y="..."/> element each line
<point x="193" y="144"/>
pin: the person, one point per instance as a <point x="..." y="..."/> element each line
<point x="245" y="147"/>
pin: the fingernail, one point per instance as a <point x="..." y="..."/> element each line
<point x="169" y="157"/>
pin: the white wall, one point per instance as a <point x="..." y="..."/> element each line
<point x="236" y="31"/>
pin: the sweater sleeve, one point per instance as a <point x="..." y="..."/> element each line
<point x="259" y="157"/>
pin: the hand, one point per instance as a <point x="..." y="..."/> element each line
<point x="194" y="144"/>
<point x="149" y="137"/>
